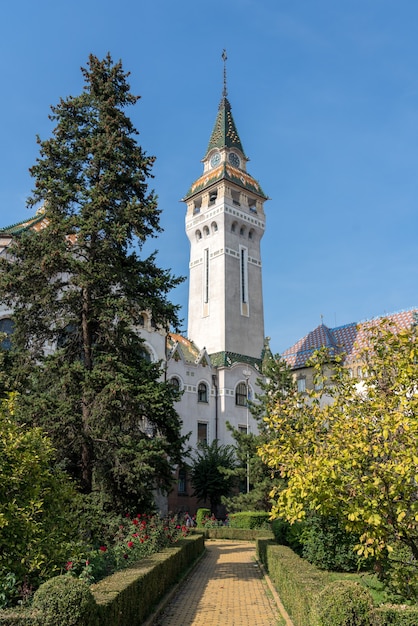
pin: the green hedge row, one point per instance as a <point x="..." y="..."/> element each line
<point x="250" y="519"/>
<point x="300" y="584"/>
<point x="127" y="597"/>
<point x="239" y="534"/>
<point x="297" y="582"/>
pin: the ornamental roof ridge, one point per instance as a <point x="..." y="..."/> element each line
<point x="24" y="224"/>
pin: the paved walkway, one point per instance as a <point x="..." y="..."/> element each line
<point x="226" y="588"/>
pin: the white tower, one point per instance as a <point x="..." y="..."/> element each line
<point x="225" y="222"/>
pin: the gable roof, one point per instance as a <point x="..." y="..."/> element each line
<point x="347" y="339"/>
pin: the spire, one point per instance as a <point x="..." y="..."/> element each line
<point x="224" y="133"/>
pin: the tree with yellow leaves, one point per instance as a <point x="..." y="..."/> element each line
<point x="356" y="457"/>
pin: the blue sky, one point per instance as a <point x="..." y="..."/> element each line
<point x="325" y="98"/>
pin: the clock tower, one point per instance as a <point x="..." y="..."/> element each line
<point x="225" y="222"/>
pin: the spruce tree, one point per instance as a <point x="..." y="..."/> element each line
<point x="78" y="288"/>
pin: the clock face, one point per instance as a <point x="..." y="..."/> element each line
<point x="234" y="159"/>
<point x="215" y="160"/>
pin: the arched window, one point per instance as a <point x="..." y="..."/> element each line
<point x="141" y="321"/>
<point x="233" y="227"/>
<point x="214" y="227"/>
<point x="251" y="234"/>
<point x="359" y="372"/>
<point x="202" y="392"/>
<point x="241" y="394"/>
<point x="198" y="235"/>
<point x="175" y="382"/>
<point x="205" y="231"/>
<point x="6" y="326"/>
<point x="242" y="231"/>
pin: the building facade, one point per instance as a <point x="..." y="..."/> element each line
<point x="216" y="367"/>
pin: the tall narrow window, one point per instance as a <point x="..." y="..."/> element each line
<point x="243" y="272"/>
<point x="202" y="432"/>
<point x="206" y="275"/>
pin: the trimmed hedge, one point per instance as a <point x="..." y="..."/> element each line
<point x="249" y="519"/>
<point x="344" y="602"/>
<point x="298" y="582"/>
<point x="128" y="597"/>
<point x="239" y="534"/>
<point x="394" y="615"/>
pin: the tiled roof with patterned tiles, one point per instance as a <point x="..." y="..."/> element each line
<point x="35" y="223"/>
<point x="224" y="134"/>
<point x="347" y="339"/>
<point x="225" y="172"/>
<point x="188" y="349"/>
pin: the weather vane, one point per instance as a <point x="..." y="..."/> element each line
<point x="224" y="58"/>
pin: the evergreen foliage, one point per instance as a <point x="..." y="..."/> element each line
<point x="78" y="288"/>
<point x="276" y="383"/>
<point x="209" y="473"/>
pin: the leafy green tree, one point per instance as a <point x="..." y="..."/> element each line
<point x="209" y="473"/>
<point x="78" y="289"/>
<point x="276" y="382"/>
<point x="354" y="458"/>
<point x="35" y="503"/>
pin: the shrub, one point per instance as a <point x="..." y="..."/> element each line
<point x="288" y="534"/>
<point x="327" y="545"/>
<point x="36" y="501"/>
<point x="344" y="603"/>
<point x="250" y="519"/>
<point x="65" y="601"/>
<point x="201" y="515"/>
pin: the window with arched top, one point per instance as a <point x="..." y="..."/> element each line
<point x="198" y="235"/>
<point x="359" y="372"/>
<point x="7" y="327"/>
<point x="242" y="231"/>
<point x="175" y="382"/>
<point x="233" y="227"/>
<point x="202" y="392"/>
<point x="214" y="227"/>
<point x="251" y="234"/>
<point x="206" y="231"/>
<point x="241" y="394"/>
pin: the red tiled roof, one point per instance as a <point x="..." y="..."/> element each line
<point x="347" y="339"/>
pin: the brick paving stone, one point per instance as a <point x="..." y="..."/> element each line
<point x="226" y="588"/>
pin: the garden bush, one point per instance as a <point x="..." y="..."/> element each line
<point x="201" y="515"/>
<point x="288" y="534"/>
<point x="249" y="519"/>
<point x="327" y="545"/>
<point x="344" y="603"/>
<point x="65" y="601"/>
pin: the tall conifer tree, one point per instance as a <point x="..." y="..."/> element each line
<point x="80" y="285"/>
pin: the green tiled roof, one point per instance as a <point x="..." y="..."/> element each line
<point x="224" y="134"/>
<point x="227" y="359"/>
<point x="20" y="227"/>
<point x="225" y="171"/>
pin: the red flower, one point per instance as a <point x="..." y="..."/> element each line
<point x="69" y="565"/>
<point x="141" y="540"/>
<point x="103" y="548"/>
<point x="135" y="521"/>
<point x="125" y="556"/>
<point x="130" y="544"/>
<point x="135" y="535"/>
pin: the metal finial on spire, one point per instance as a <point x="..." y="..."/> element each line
<point x="224" y="58"/>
